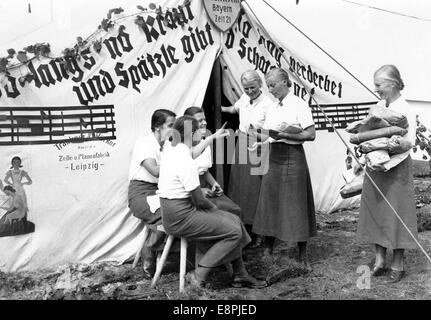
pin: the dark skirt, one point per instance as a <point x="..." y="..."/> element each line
<point x="222" y="202"/>
<point x="137" y="195"/>
<point x="219" y="234"/>
<point x="286" y="207"/>
<point x="244" y="187"/>
<point x="377" y="222"/>
<point x="138" y="192"/>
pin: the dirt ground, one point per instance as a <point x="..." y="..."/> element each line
<point x="334" y="255"/>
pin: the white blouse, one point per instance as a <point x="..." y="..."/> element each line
<point x="145" y="148"/>
<point x="204" y="161"/>
<point x="178" y="173"/>
<point x="400" y="105"/>
<point x="291" y="111"/>
<point x="252" y="113"/>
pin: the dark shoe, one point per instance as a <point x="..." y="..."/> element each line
<point x="248" y="282"/>
<point x="396" y="275"/>
<point x="267" y="252"/>
<point x="379" y="271"/>
<point x="149" y="268"/>
<point x="192" y="281"/>
<point x="306" y="265"/>
<point x="256" y="243"/>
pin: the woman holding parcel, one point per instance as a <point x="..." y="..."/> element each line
<point x="286" y="207"/>
<point x="378" y="223"/>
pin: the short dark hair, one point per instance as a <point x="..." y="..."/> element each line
<point x="191" y="111"/>
<point x="15" y="158"/>
<point x="159" y="117"/>
<point x="9" y="188"/>
<point x="180" y="127"/>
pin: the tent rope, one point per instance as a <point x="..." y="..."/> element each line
<point x="387" y="11"/>
<point x="323" y="50"/>
<point x="341" y="138"/>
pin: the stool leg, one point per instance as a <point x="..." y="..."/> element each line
<point x="139" y="252"/>
<point x="183" y="260"/>
<point x="160" y="264"/>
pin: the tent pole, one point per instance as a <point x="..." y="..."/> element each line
<point x="216" y="76"/>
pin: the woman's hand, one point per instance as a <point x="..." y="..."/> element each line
<point x="217" y="190"/>
<point x="199" y="199"/>
<point x="274" y="134"/>
<point x="356" y="168"/>
<point x="208" y="193"/>
<point x="252" y="130"/>
<point x="377" y="167"/>
<point x="220" y="133"/>
<point x="257" y="145"/>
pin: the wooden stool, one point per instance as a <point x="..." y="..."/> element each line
<point x="162" y="260"/>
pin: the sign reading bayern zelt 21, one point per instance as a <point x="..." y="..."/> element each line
<point x="222" y="13"/>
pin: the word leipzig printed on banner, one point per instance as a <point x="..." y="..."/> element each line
<point x="156" y="42"/>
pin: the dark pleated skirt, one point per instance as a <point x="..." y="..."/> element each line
<point x="219" y="234"/>
<point x="377" y="222"/>
<point x="286" y="207"/>
<point x="137" y="194"/>
<point x="244" y="188"/>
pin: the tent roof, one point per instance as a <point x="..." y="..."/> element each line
<point x="362" y="38"/>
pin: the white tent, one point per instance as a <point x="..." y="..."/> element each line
<point x="78" y="199"/>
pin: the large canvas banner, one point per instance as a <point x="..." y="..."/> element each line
<point x="71" y="129"/>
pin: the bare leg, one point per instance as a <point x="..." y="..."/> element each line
<point x="398" y="262"/>
<point x="239" y="268"/>
<point x="269" y="245"/>
<point x="380" y="256"/>
<point x="201" y="274"/>
<point x="302" y="247"/>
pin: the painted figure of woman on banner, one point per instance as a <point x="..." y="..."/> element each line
<point x="15" y="177"/>
<point x="14" y="220"/>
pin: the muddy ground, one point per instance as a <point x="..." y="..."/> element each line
<point x="334" y="255"/>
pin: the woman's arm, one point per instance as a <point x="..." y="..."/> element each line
<point x="200" y="201"/>
<point x="216" y="189"/>
<point x="9" y="209"/>
<point x="198" y="149"/>
<point x="230" y="109"/>
<point x="152" y="166"/>
<point x="308" y="134"/>
<point x="8" y="177"/>
<point x="25" y="175"/>
<point x="209" y="178"/>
